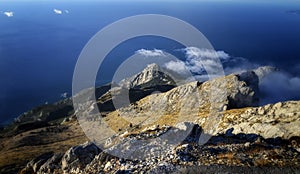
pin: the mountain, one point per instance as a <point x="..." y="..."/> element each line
<point x="190" y="100"/>
<point x="263" y="71"/>
<point x="152" y="75"/>
<point x="129" y="90"/>
<point x="212" y="126"/>
<point x="248" y="141"/>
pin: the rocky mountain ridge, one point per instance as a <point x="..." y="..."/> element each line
<point x="152" y="75"/>
<point x="224" y="108"/>
<point x="236" y="149"/>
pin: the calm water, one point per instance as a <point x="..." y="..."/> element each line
<point x="39" y="49"/>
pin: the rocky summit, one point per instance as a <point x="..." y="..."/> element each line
<point x="215" y="126"/>
<point x="152" y="79"/>
<point x="152" y="75"/>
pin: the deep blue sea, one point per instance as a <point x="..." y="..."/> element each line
<point x="39" y="49"/>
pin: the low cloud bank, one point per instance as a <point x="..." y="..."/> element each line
<point x="279" y="86"/>
<point x="203" y="61"/>
<point x="274" y="87"/>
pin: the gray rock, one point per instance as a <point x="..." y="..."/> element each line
<point x="247" y="144"/>
<point x="274" y="120"/>
<point x="36" y="163"/>
<point x="79" y="155"/>
<point x="163" y="168"/>
<point x="263" y="71"/>
<point x="184" y="126"/>
<point x="152" y="75"/>
<point x="51" y="164"/>
<point x="107" y="166"/>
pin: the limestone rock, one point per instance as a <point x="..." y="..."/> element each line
<point x="152" y="144"/>
<point x="263" y="71"/>
<point x="35" y="164"/>
<point x="150" y="76"/>
<point x="79" y="155"/>
<point x="281" y="119"/>
<point x="51" y="164"/>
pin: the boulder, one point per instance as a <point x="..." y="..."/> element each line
<point x="35" y="164"/>
<point x="79" y="156"/>
<point x="281" y="119"/>
<point x="51" y="164"/>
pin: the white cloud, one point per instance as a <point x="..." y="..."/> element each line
<point x="177" y="66"/>
<point x="199" y="61"/>
<point x="194" y="52"/>
<point x="8" y="13"/>
<point x="279" y="86"/>
<point x="205" y="61"/>
<point x="151" y="53"/>
<point x="57" y="11"/>
<point x="275" y="87"/>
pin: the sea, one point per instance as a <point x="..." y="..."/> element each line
<point x="41" y="42"/>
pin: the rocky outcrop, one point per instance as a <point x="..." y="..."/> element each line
<point x="263" y="71"/>
<point x="35" y="164"/>
<point x="273" y="120"/>
<point x="153" y="141"/>
<point x="189" y="101"/>
<point x="253" y="78"/>
<point x="245" y="139"/>
<point x="76" y="158"/>
<point x="124" y="96"/>
<point x="79" y="156"/>
<point x="152" y="75"/>
<point x="228" y="149"/>
<point x="52" y="164"/>
<point x="151" y="79"/>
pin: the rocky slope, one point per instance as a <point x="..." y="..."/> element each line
<point x="187" y="102"/>
<point x="207" y="126"/>
<point x="16" y="149"/>
<point x="273" y="120"/>
<point x="53" y="127"/>
<point x="134" y="88"/>
<point x="231" y="150"/>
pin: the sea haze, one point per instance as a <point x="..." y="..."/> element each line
<point x="39" y="46"/>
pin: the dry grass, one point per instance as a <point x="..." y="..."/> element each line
<point x="116" y="122"/>
<point x="261" y="162"/>
<point x="16" y="157"/>
<point x="236" y="112"/>
<point x="228" y="156"/>
<point x="166" y="120"/>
